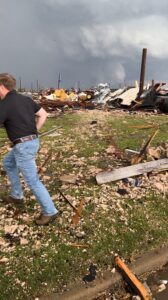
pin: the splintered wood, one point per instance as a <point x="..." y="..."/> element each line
<point x="77" y="215"/>
<point x="133" y="280"/>
<point x="138" y="157"/>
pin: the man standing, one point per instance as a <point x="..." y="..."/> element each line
<point x="22" y="119"/>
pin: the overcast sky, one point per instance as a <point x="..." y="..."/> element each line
<point x="90" y="41"/>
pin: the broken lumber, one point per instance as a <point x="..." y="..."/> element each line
<point x="117" y="174"/>
<point x="133" y="280"/>
<point x="138" y="157"/>
<point x="77" y="215"/>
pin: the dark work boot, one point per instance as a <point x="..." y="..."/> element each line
<point x="11" y="200"/>
<point x="45" y="220"/>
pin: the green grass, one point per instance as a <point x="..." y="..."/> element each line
<point x="128" y="137"/>
<point x="142" y="225"/>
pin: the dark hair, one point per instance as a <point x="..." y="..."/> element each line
<point x="8" y="81"/>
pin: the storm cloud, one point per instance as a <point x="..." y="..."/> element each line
<point x="90" y="41"/>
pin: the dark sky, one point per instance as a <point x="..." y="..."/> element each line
<point x="90" y="41"/>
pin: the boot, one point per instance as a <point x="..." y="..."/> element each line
<point x="11" y="200"/>
<point x="45" y="220"/>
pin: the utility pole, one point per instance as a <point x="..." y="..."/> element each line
<point x="78" y="87"/>
<point x="59" y="80"/>
<point x="142" y="74"/>
<point x="20" y="84"/>
<point x="31" y="86"/>
<point x="153" y="82"/>
<point x="37" y="86"/>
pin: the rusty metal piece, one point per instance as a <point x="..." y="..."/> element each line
<point x="69" y="202"/>
<point x="49" y="131"/>
<point x="45" y="162"/>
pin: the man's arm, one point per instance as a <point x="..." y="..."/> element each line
<point x="41" y="118"/>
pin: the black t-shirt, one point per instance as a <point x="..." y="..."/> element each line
<point x="17" y="114"/>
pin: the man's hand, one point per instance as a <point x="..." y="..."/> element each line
<point x="41" y="118"/>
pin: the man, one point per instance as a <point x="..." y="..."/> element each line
<point x="22" y="119"/>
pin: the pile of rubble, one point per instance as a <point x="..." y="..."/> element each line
<point x="153" y="98"/>
<point x="50" y="105"/>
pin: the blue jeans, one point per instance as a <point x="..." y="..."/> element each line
<point x="22" y="159"/>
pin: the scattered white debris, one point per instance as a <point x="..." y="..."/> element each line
<point x="162" y="287"/>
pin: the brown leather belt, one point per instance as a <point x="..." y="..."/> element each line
<point x="25" y="139"/>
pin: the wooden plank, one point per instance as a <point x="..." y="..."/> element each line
<point x="133" y="280"/>
<point x="117" y="174"/>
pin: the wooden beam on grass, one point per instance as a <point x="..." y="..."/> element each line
<point x="126" y="172"/>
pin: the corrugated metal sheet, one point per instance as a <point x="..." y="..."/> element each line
<point x="128" y="96"/>
<point x="117" y="92"/>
